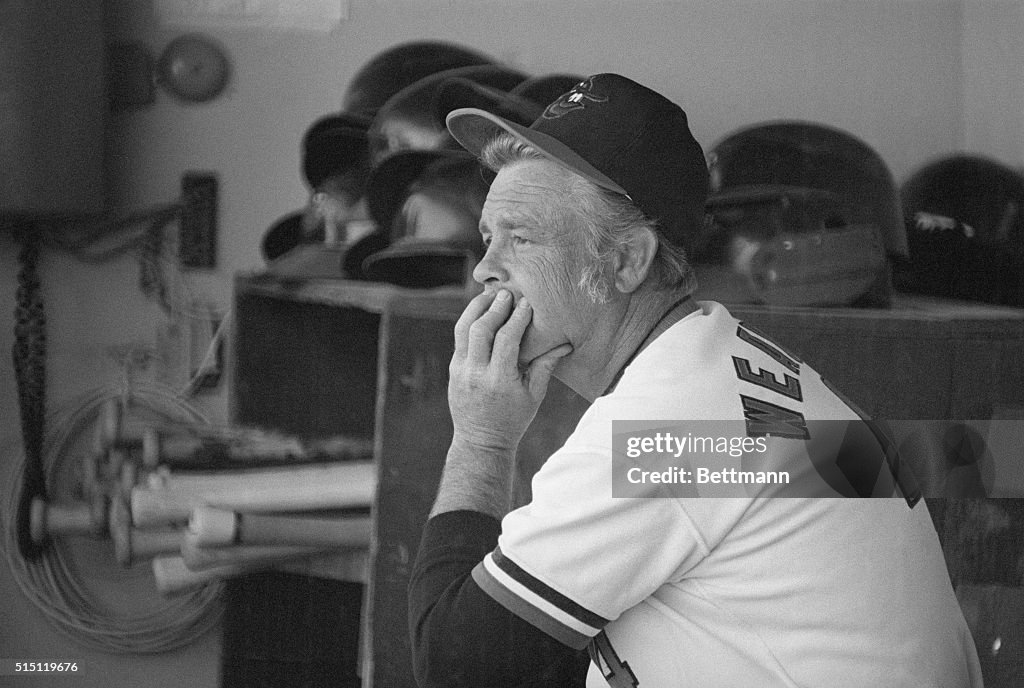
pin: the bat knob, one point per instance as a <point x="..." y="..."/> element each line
<point x="37" y="521"/>
<point x="210" y="527"/>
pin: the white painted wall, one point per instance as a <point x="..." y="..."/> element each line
<point x="993" y="97"/>
<point x="914" y="78"/>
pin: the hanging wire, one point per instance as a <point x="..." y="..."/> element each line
<point x="55" y="585"/>
<point x="29" y="358"/>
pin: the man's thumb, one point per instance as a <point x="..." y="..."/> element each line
<point x="541" y="367"/>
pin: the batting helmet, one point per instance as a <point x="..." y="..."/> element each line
<point x="410" y="118"/>
<point x="965" y="230"/>
<point x="835" y="204"/>
<point x="786" y="245"/>
<point x="400" y="66"/>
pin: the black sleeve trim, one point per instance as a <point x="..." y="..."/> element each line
<point x="460" y="635"/>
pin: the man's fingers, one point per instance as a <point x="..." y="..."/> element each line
<point x="474" y="309"/>
<point x="482" y="331"/>
<point x="507" y="340"/>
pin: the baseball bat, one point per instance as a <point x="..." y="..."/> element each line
<point x="240" y="446"/>
<point x="213" y="527"/>
<point x="304" y="488"/>
<point x="174" y="577"/>
<point x="202" y="558"/>
<point x="132" y="544"/>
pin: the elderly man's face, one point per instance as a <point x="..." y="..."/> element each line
<point x="533" y="251"/>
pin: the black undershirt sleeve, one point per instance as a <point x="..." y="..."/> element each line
<point x="460" y="635"/>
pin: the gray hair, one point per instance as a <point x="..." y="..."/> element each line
<point x="607" y="221"/>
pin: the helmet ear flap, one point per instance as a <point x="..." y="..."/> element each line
<point x="814" y="156"/>
<point x="787" y="245"/>
<point x="805" y="213"/>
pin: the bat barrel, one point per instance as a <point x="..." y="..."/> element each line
<point x="304" y="488"/>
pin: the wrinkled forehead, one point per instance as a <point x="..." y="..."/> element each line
<point x="530" y="192"/>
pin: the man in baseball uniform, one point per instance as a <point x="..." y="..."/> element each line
<point x="836" y="579"/>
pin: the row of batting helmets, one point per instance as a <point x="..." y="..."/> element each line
<point x="424" y="192"/>
<point x="799" y="213"/>
<point x="806" y="214"/>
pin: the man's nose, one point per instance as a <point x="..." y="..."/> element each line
<point x="491" y="268"/>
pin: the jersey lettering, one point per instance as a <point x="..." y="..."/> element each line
<point x="766" y="378"/>
<point x="765" y="418"/>
<point x="747" y="334"/>
<point x="616" y="672"/>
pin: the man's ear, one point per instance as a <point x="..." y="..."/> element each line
<point x="633" y="262"/>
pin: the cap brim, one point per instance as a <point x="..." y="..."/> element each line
<point x="416" y="263"/>
<point x="282" y="236"/>
<point x="473" y="128"/>
<point x="352" y="263"/>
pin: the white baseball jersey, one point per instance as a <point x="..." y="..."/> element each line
<point x="742" y="591"/>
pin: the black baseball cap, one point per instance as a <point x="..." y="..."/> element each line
<point x="391" y="181"/>
<point x="423" y="253"/>
<point x="281" y="237"/>
<point x="412" y="113"/>
<point x="620" y="135"/>
<point x="332" y="145"/>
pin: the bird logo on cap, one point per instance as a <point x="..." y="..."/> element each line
<point x="576" y="99"/>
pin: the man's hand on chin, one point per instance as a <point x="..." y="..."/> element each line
<point x="492" y="401"/>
